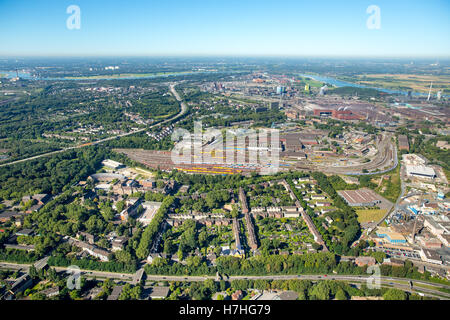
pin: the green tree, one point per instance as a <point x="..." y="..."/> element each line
<point x="107" y="213"/>
<point x="123" y="256"/>
<point x="74" y="295"/>
<point x="340" y="294"/>
<point x="395" y="294"/>
<point x="203" y="238"/>
<point x="120" y="205"/>
<point x="320" y="291"/>
<point x="234" y="212"/>
<point x="378" y="255"/>
<point x="33" y="272"/>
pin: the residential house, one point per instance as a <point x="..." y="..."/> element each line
<point x="119" y="243"/>
<point x="115" y="293"/>
<point x="237" y="295"/>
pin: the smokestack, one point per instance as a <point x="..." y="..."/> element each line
<point x="429" y="92"/>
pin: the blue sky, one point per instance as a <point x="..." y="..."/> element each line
<point x="226" y="27"/>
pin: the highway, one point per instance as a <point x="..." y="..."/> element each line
<point x="183" y="105"/>
<point x="431" y="289"/>
<point x="181" y="113"/>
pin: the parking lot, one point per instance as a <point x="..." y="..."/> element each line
<point x="399" y="253"/>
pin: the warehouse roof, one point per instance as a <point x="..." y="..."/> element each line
<point x="420" y="170"/>
<point x="363" y="195"/>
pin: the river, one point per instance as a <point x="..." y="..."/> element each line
<point x="341" y="83"/>
<point x="325" y="79"/>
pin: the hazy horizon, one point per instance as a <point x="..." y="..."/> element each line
<point x="236" y="56"/>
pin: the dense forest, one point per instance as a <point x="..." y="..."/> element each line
<point x="141" y="141"/>
<point x="51" y="174"/>
<point x="429" y="150"/>
<point x="61" y="114"/>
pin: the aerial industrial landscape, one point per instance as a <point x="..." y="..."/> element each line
<point x="361" y="180"/>
<point x="224" y="178"/>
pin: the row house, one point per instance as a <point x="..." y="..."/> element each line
<point x="175" y="222"/>
<point x="291" y="214"/>
<point x="251" y="232"/>
<point x="322" y="204"/>
<point x="257" y="210"/>
<point x="273" y="209"/>
<point x="91" y="249"/>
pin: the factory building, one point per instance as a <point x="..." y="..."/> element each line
<point x="390" y="236"/>
<point x="360" y="198"/>
<point x="112" y="164"/>
<point x="430" y="256"/>
<point x="403" y="143"/>
<point x="341" y="114"/>
<point x="420" y="172"/>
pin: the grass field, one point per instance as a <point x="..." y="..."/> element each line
<point x="145" y="173"/>
<point x="447" y="173"/>
<point x="368" y="215"/>
<point x="312" y="83"/>
<point x="390" y="188"/>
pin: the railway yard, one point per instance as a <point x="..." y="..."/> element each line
<point x="383" y="158"/>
